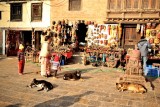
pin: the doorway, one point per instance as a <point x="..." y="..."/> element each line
<point x="130" y="36"/>
<point x="27" y="38"/>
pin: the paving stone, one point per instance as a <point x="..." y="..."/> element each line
<point x="135" y="103"/>
<point x="108" y="104"/>
<point x="115" y="95"/>
<point x="82" y="100"/>
<point x="150" y="104"/>
<point x="121" y="101"/>
<point x="94" y="103"/>
<point x="79" y="105"/>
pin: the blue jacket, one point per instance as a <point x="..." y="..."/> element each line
<point x="143" y="46"/>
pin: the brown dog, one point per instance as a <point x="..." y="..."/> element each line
<point x="133" y="87"/>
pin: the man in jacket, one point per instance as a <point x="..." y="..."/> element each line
<point x="144" y="46"/>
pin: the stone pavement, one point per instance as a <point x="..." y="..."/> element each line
<point x="97" y="89"/>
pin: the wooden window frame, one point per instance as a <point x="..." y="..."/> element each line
<point x="16" y="11"/>
<point x="132" y="4"/>
<point x="37" y="17"/>
<point x="0" y="15"/>
<point x="72" y="6"/>
<point x="116" y="4"/>
<point x="150" y="4"/>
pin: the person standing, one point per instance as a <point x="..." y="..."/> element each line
<point x="44" y="33"/>
<point x="21" y="59"/>
<point x="55" y="65"/>
<point x="45" y="55"/>
<point x="144" y="46"/>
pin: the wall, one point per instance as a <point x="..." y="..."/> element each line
<point x="1" y="42"/>
<point x="91" y="10"/>
<point x="26" y="20"/>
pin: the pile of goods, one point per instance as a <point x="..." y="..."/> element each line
<point x="100" y="55"/>
<point x="62" y="49"/>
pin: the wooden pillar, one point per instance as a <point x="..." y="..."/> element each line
<point x="33" y="38"/>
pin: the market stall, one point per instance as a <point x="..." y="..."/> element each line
<point x="106" y="35"/>
<point x="100" y="55"/>
<point x="102" y="45"/>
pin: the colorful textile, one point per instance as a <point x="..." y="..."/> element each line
<point x="21" y="64"/>
<point x="45" y="66"/>
<point x="55" y="65"/>
<point x="21" y="61"/>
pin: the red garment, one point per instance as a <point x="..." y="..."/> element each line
<point x="21" y="64"/>
<point x="21" y="61"/>
<point x="56" y="58"/>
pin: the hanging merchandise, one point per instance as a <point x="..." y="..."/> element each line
<point x="153" y="33"/>
<point x="148" y="25"/>
<point x="119" y="31"/>
<point x="148" y="33"/>
<point x="158" y="34"/>
<point x="142" y="30"/>
<point x="109" y="29"/>
<point x="153" y="26"/>
<point x="102" y="34"/>
<point x="114" y="31"/>
<point x="138" y="27"/>
<point x="156" y="40"/>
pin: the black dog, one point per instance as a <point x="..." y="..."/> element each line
<point x="44" y="85"/>
<point x="73" y="75"/>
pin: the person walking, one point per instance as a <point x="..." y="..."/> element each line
<point x="21" y="59"/>
<point x="144" y="46"/>
<point x="45" y="55"/>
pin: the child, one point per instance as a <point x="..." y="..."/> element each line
<point x="21" y="59"/>
<point x="55" y="65"/>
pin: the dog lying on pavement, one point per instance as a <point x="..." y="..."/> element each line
<point x="76" y="75"/>
<point x="133" y="87"/>
<point x="44" y="85"/>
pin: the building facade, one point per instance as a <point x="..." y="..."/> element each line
<point x="129" y="14"/>
<point x="22" y="21"/>
<point x="27" y="18"/>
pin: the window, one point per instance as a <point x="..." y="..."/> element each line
<point x="115" y="4"/>
<point x="130" y="4"/>
<point x="0" y="15"/>
<point x="36" y="12"/>
<point x="16" y="12"/>
<point x="149" y="4"/>
<point x="74" y="5"/>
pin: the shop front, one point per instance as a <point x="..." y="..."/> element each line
<point x="14" y="37"/>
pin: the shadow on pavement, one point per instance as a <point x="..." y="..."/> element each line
<point x="64" y="101"/>
<point x="15" y="105"/>
<point x="61" y="74"/>
<point x="150" y="80"/>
